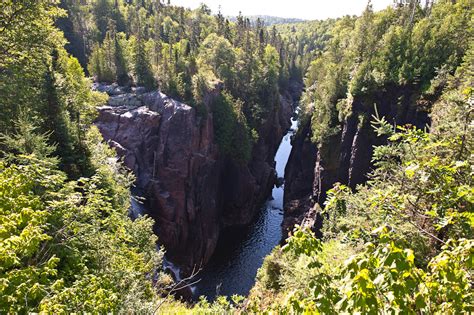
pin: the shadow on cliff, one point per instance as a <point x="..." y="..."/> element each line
<point x="345" y="157"/>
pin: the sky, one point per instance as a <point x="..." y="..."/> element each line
<point x="303" y="9"/>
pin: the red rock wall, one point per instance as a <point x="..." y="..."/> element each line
<point x="191" y="190"/>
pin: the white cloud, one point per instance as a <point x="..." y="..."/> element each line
<point x="304" y="9"/>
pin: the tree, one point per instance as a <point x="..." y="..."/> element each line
<point x="108" y="55"/>
<point x="120" y="62"/>
<point x="232" y="133"/>
<point x="220" y="23"/>
<point x="27" y="37"/>
<point x="217" y="55"/>
<point x="143" y="74"/>
<point x="56" y="116"/>
<point x="64" y="249"/>
<point x="102" y="15"/>
<point x="265" y="85"/>
<point x="26" y="140"/>
<point x="95" y="62"/>
<point x="104" y="12"/>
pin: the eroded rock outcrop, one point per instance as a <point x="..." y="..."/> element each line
<point x="313" y="169"/>
<point x="191" y="190"/>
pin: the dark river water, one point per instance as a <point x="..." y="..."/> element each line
<point x="240" y="251"/>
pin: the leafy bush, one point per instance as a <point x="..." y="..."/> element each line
<point x="69" y="246"/>
<point x="382" y="278"/>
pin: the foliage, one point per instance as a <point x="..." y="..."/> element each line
<point x="26" y="140"/>
<point x="26" y="39"/>
<point x="232" y="133"/>
<point x="402" y="243"/>
<point x="305" y="41"/>
<point x="68" y="246"/>
<point x="268" y="20"/>
<point x="39" y="80"/>
<point x="152" y="44"/>
<point x="409" y="228"/>
<point x="375" y="53"/>
<point x="382" y="278"/>
<point x="143" y="74"/>
<point x="216" y="54"/>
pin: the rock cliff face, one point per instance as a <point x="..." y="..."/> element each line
<point x="191" y="190"/>
<point x="313" y="169"/>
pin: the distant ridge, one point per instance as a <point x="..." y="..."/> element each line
<point x="268" y="19"/>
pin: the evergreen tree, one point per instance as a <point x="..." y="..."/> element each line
<point x="108" y="57"/>
<point x="27" y="140"/>
<point x="95" y="63"/>
<point x="102" y="12"/>
<point x="120" y="63"/>
<point x="143" y="75"/>
<point x="56" y="120"/>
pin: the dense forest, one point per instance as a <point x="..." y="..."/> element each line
<point x="185" y="53"/>
<point x="399" y="240"/>
<point x="306" y="40"/>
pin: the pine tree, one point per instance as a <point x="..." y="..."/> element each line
<point x="143" y="74"/>
<point x="108" y="68"/>
<point x="56" y="120"/>
<point x="26" y="140"/>
<point x="121" y="69"/>
<point x="220" y="23"/>
<point x="102" y="11"/>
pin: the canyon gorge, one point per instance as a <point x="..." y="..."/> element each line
<point x="191" y="190"/>
<point x="195" y="194"/>
<point x="163" y="159"/>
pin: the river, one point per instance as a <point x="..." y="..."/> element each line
<point x="240" y="251"/>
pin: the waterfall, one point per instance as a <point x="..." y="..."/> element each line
<point x="136" y="209"/>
